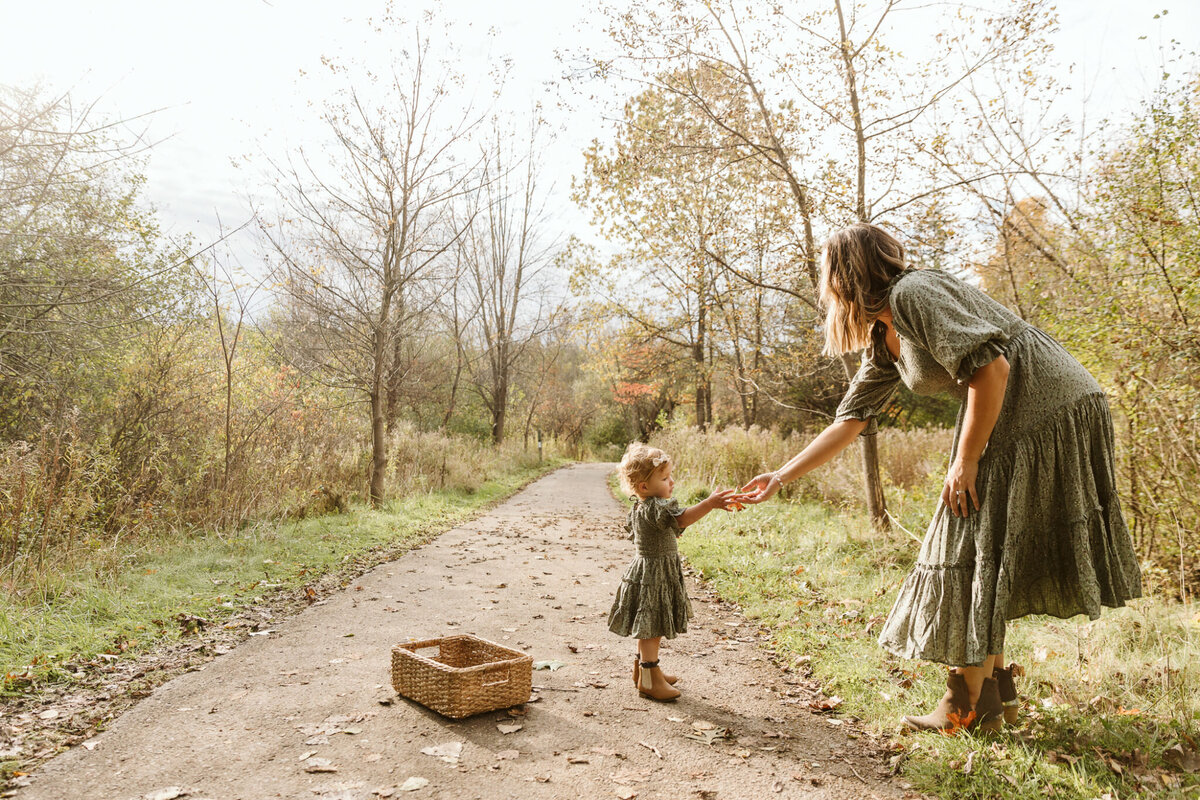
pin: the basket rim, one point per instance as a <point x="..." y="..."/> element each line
<point x="407" y="650"/>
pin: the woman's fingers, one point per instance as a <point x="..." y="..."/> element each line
<point x="974" y="496"/>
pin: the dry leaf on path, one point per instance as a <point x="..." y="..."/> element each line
<point x="625" y="793"/>
<point x="448" y="752"/>
<point x="550" y="665"/>
<point x="509" y="727"/>
<point x="319" y="765"/>
<point x="627" y="776"/>
<point x="414" y="783"/>
<point x="307" y="755"/>
<point x="707" y="735"/>
<point x="169" y="793"/>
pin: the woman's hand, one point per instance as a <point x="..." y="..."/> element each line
<point x="959" y="493"/>
<point x="724" y="499"/>
<point x="760" y="488"/>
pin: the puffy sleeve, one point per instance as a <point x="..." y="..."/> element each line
<point x="870" y="389"/>
<point x="664" y="512"/>
<point x="629" y="526"/>
<point x="960" y="326"/>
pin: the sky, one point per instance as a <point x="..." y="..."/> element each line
<point x="229" y="80"/>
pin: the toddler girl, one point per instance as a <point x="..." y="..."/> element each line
<point x="652" y="600"/>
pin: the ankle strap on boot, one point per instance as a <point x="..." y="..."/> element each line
<point x="649" y="664"/>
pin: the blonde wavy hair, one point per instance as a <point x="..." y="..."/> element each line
<point x="638" y="464"/>
<point x="859" y="263"/>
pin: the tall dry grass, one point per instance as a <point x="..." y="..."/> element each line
<point x="913" y="461"/>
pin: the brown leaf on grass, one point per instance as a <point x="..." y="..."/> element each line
<point x="823" y="703"/>
<point x="1181" y="759"/>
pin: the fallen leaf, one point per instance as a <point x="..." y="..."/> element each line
<point x="414" y="783"/>
<point x="385" y="791"/>
<point x="627" y="776"/>
<point x="90" y="744"/>
<point x="169" y="793"/>
<point x="625" y="793"/>
<point x="542" y="778"/>
<point x="373" y="757"/>
<point x="550" y="665"/>
<point x="1183" y="760"/>
<point x="509" y="727"/>
<point x="307" y="755"/>
<point x="448" y="752"/>
<point x="576" y="760"/>
<point x="707" y="735"/>
<point x="319" y="765"/>
<point x="970" y="763"/>
<point x="703" y="725"/>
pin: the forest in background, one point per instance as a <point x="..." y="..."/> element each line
<point x="416" y="322"/>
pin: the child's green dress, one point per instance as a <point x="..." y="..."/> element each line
<point x="652" y="599"/>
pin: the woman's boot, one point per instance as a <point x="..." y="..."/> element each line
<point x="652" y="683"/>
<point x="954" y="712"/>
<point x="637" y="668"/>
<point x="1006" y="683"/>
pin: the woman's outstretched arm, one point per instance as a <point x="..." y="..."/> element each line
<point x="829" y="442"/>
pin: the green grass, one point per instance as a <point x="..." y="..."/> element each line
<point x="76" y="615"/>
<point x="1105" y="700"/>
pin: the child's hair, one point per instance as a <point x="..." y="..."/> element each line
<point x="638" y="464"/>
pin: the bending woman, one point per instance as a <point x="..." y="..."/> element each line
<point x="1029" y="521"/>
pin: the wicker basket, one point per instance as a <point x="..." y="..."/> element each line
<point x="468" y="675"/>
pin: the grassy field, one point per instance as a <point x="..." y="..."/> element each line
<point x="72" y="615"/>
<point x="1111" y="708"/>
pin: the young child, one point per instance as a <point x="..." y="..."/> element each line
<point x="652" y="600"/>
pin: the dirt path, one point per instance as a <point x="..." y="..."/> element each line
<point x="538" y="574"/>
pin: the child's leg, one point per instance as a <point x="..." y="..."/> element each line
<point x="648" y="648"/>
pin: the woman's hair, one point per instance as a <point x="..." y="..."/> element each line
<point x="860" y="261"/>
<point x="638" y="464"/>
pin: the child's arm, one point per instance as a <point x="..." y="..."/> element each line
<point x="722" y="498"/>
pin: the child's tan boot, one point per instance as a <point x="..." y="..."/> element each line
<point x="653" y="684"/>
<point x="1006" y="682"/>
<point x="637" y="669"/>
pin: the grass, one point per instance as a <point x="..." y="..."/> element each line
<point x="69" y="616"/>
<point x="1105" y="700"/>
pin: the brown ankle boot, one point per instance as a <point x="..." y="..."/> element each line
<point x="1006" y="683"/>
<point x="653" y="684"/>
<point x="637" y="668"/>
<point x="954" y="712"/>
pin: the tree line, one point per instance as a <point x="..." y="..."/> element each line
<point x="410" y="280"/>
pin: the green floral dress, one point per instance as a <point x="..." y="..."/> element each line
<point x="1049" y="537"/>
<point x="652" y="599"/>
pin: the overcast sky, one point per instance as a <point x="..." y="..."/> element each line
<point x="227" y="74"/>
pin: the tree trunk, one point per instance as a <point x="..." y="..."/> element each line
<point x="378" y="448"/>
<point x="869" y="450"/>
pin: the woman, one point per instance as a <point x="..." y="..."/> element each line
<point x="1029" y="521"/>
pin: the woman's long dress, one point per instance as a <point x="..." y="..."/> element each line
<point x="1049" y="537"/>
<point x="652" y="599"/>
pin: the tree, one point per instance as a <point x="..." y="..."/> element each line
<point x="81" y="261"/>
<point x="358" y="235"/>
<point x="506" y="254"/>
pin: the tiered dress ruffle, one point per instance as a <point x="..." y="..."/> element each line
<point x="652" y="599"/>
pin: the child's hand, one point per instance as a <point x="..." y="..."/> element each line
<point x="725" y="499"/>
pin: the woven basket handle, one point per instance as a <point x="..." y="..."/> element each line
<point x="489" y="676"/>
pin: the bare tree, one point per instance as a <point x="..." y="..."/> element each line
<point x="356" y="236"/>
<point x="507" y="253"/>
